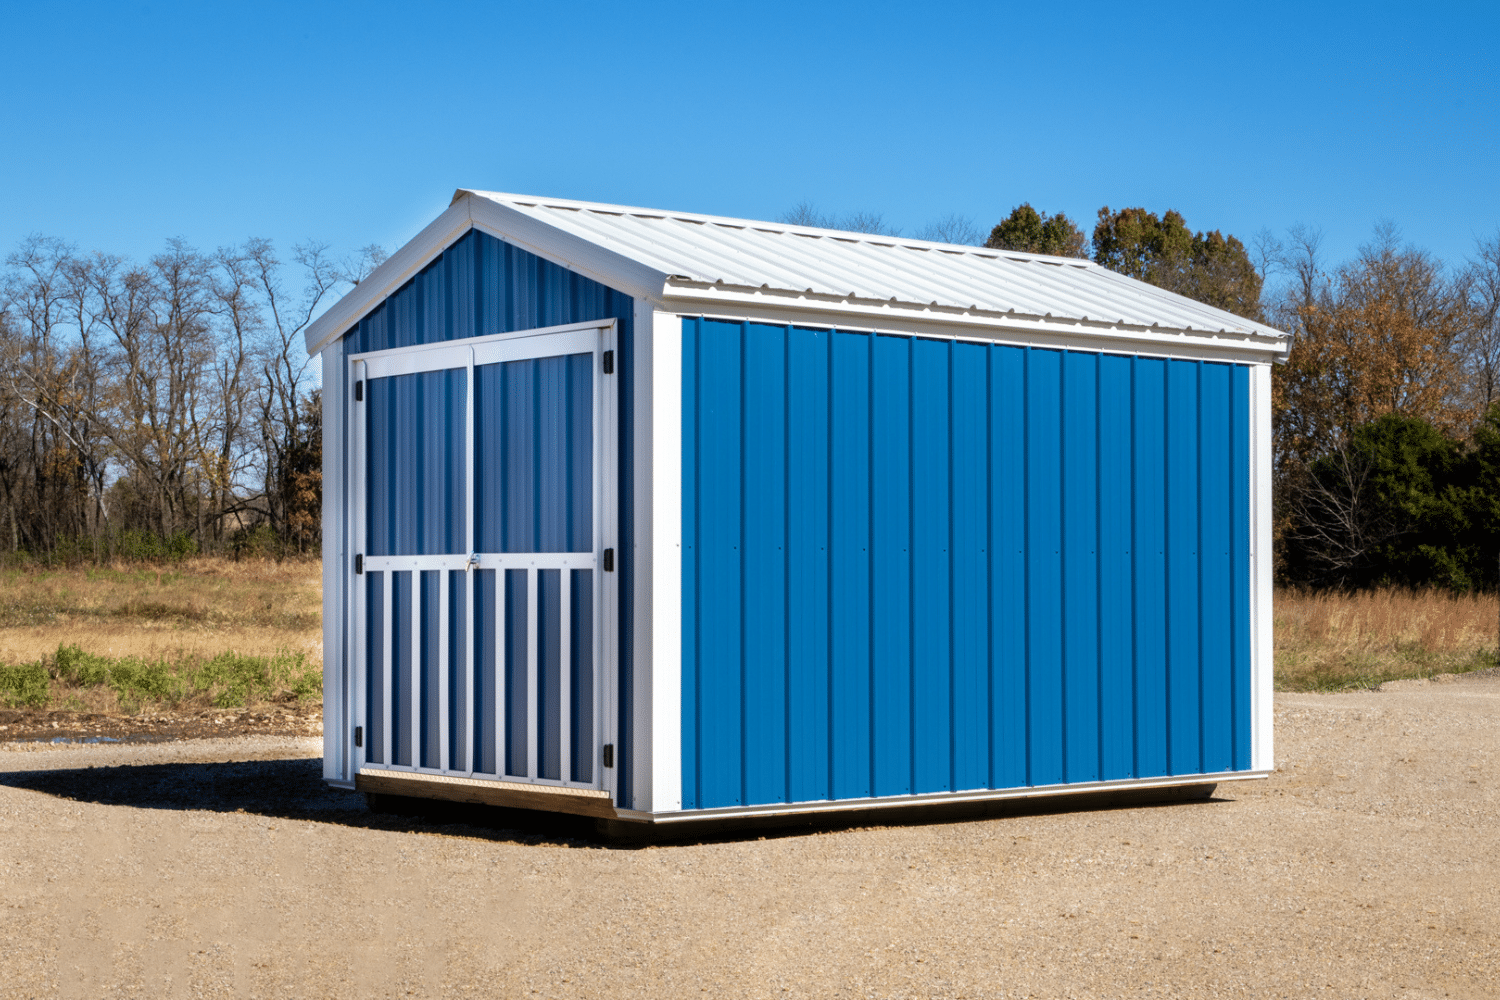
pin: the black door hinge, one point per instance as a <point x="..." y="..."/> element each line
<point x="609" y="755"/>
<point x="359" y="390"/>
<point x="359" y="736"/>
<point x="359" y="564"/>
<point x="609" y="560"/>
<point x="609" y="362"/>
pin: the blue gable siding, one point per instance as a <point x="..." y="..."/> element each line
<point x="915" y="566"/>
<point x="481" y="286"/>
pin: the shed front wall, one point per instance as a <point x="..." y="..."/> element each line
<point x="478" y="286"/>
<point x="915" y="566"/>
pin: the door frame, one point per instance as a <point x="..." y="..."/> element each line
<point x="597" y="336"/>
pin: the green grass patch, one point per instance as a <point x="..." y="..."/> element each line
<point x="24" y="686"/>
<point x="228" y="680"/>
<point x="1365" y="670"/>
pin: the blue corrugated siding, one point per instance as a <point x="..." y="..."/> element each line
<point x="481" y="286"/>
<point x="533" y="453"/>
<point x="912" y="566"/>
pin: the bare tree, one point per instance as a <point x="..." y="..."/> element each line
<point x="284" y="401"/>
<point x="805" y="213"/>
<point x="1482" y="288"/>
<point x="358" y="267"/>
<point x="953" y="228"/>
<point x="234" y="384"/>
<point x="160" y="359"/>
<point x="43" y="374"/>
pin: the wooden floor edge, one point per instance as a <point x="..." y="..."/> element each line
<point x="486" y="794"/>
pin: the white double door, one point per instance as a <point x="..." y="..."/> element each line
<point x="484" y="587"/>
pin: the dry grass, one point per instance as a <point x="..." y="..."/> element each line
<point x="1329" y="641"/>
<point x="187" y="614"/>
<point x="196" y="607"/>
<point x="175" y="618"/>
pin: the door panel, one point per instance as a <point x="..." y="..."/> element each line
<point x="416" y="468"/>
<point x="483" y="528"/>
<point x="534" y="455"/>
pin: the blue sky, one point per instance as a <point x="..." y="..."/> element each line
<point x="127" y="123"/>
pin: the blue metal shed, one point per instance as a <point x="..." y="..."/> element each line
<point x="653" y="516"/>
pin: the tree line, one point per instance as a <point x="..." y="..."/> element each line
<point x="1386" y="419"/>
<point x="160" y="407"/>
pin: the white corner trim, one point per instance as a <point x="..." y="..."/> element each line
<point x="666" y="560"/>
<point x="643" y="721"/>
<point x="1262" y="652"/>
<point x="336" y="623"/>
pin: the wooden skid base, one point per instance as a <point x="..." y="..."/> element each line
<point x="510" y="794"/>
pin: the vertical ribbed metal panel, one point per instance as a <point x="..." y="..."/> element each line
<point x="401" y="668"/>
<point x="581" y="675"/>
<point x="481" y="286"/>
<point x="533" y="454"/>
<point x="517" y="688"/>
<point x="375" y="668"/>
<point x="807" y="564"/>
<point x="460" y="700"/>
<point x="427" y="678"/>
<point x="765" y="563"/>
<point x="549" y="673"/>
<point x="489" y="670"/>
<point x="415" y="472"/>
<point x="912" y="566"/>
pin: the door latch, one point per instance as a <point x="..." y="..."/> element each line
<point x="609" y="755"/>
<point x="609" y="560"/>
<point x="472" y="561"/>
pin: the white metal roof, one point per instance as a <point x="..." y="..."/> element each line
<point x="738" y="266"/>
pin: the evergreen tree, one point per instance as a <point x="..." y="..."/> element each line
<point x="1030" y="231"/>
<point x="1210" y="267"/>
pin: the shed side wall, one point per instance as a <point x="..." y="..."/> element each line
<point x="915" y="566"/>
<point x="481" y="286"/>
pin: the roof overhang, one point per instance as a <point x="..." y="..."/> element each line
<point x="677" y="293"/>
<point x="847" y="312"/>
<point x="470" y="212"/>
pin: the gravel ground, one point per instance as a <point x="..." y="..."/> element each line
<point x="1368" y="866"/>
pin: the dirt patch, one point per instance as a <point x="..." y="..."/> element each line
<point x="18" y="725"/>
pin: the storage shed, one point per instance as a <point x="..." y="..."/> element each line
<point x="654" y="516"/>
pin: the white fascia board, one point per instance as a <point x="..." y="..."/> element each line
<point x="694" y="299"/>
<point x="504" y="223"/>
<point x="564" y="249"/>
<point x="396" y="271"/>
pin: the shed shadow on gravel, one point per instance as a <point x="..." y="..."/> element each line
<point x="293" y="788"/>
<point x="290" y="788"/>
